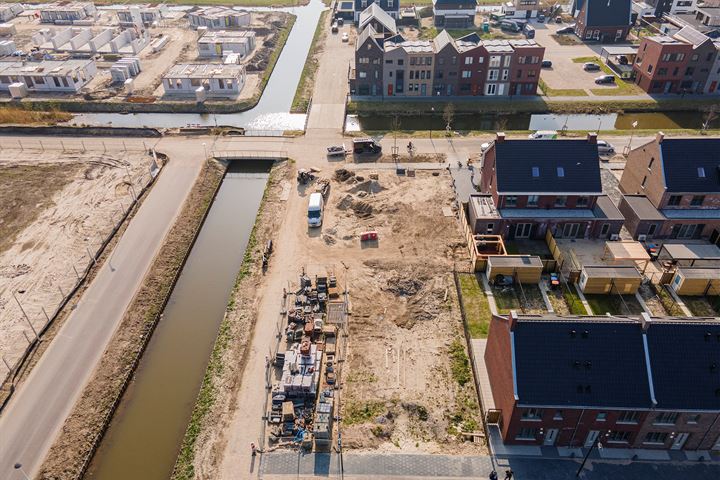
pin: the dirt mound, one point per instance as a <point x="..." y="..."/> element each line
<point x="343" y="174"/>
<point x="404" y="287"/>
<point x="368" y="186"/>
<point x="361" y="208"/>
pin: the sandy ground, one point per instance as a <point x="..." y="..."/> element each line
<point x="81" y="199"/>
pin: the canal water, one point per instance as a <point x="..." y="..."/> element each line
<point x="271" y="112"/>
<point x="145" y="433"/>
<point x="520" y="121"/>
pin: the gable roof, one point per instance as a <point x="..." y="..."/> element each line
<point x="562" y="166"/>
<point x="365" y="34"/>
<point x="571" y="361"/>
<point x="442" y="40"/>
<point x="685" y="160"/>
<point x="599" y="13"/>
<point x="690" y="35"/>
<point x="374" y="12"/>
<point x="685" y="360"/>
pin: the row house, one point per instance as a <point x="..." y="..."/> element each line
<point x="687" y="62"/>
<point x="392" y="7"/>
<point x="454" y="13"/>
<point x="672" y="7"/>
<point x="47" y="76"/>
<point x="204" y="80"/>
<point x="624" y="382"/>
<point x="605" y="21"/>
<point x="444" y="66"/>
<point x="671" y="189"/>
<point x="530" y="187"/>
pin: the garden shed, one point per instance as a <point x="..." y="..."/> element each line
<point x="609" y="279"/>
<point x="523" y="268"/>
<point x="690" y="255"/>
<point x="696" y="281"/>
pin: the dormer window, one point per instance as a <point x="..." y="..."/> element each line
<point x="701" y="172"/>
<point x="560" y="172"/>
<point x="536" y="172"/>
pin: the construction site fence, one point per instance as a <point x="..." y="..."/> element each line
<point x="68" y="285"/>
<point x="69" y="145"/>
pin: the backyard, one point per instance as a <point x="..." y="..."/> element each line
<point x="522" y="298"/>
<point x="475" y="304"/>
<point x="701" y="306"/>
<point x="614" y="304"/>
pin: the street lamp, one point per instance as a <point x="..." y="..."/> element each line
<point x="18" y="466"/>
<point x="592" y="447"/>
<point x="205" y="150"/>
<point x="432" y="109"/>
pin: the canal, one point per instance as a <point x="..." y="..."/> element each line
<point x="145" y="433"/>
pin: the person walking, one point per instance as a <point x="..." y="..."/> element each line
<point x="254" y="450"/>
<point x="508" y="474"/>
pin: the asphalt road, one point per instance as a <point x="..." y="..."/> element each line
<point x="37" y="410"/>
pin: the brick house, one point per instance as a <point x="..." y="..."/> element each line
<point x="392" y="7"/>
<point x="675" y="185"/>
<point x="474" y="59"/>
<point x="525" y="68"/>
<point x="445" y="81"/>
<point x="702" y="58"/>
<point x="532" y="186"/>
<point x="368" y="63"/>
<point x="606" y="21"/>
<point x="661" y="63"/>
<point x="626" y="382"/>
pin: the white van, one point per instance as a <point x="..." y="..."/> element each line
<point x="543" y="135"/>
<point x="315" y="210"/>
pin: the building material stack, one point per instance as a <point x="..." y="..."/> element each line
<point x="124" y="69"/>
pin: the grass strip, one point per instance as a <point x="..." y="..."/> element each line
<point x="312" y="62"/>
<point x="561" y="92"/>
<point x="459" y="362"/>
<point x="475" y="304"/>
<point x="19" y="116"/>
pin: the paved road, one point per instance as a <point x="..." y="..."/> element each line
<point x="356" y="466"/>
<point x="37" y="411"/>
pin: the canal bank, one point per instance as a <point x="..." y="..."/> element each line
<point x="145" y="432"/>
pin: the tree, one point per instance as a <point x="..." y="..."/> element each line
<point x="395" y="126"/>
<point x="448" y="116"/>
<point x="710" y="116"/>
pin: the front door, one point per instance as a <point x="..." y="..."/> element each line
<point x="522" y="230"/>
<point x="668" y="87"/>
<point x="570" y="230"/>
<point x="423" y="89"/>
<point x="686" y="231"/>
<point x="550" y="437"/>
<point x="680" y="441"/>
<point x="592" y="436"/>
<point x="528" y="13"/>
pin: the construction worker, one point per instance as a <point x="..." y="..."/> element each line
<point x="508" y="474"/>
<point x="493" y="475"/>
<point x="254" y="450"/>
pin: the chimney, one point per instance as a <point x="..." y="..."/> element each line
<point x="645" y="320"/>
<point x="500" y="137"/>
<point x="592" y="138"/>
<point x="513" y="318"/>
<point x="659" y="137"/>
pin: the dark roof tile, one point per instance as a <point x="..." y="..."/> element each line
<point x="683" y="157"/>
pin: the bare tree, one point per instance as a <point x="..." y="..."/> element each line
<point x="710" y="116"/>
<point x="448" y="116"/>
<point x="395" y="126"/>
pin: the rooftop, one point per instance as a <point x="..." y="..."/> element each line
<point x="217" y="12"/>
<point x="643" y="208"/>
<point x="226" y="36"/>
<point x="611" y="271"/>
<point x="691" y="165"/>
<point x="60" y="68"/>
<point x="375" y="12"/>
<point x="213" y="70"/>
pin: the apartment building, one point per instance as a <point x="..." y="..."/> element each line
<point x="48" y="76"/>
<point x="530" y="187"/>
<point x="454" y="13"/>
<point x="218" y="18"/>
<point x="605" y="21"/>
<point x="67" y="13"/>
<point x="671" y="189"/>
<point x="446" y="67"/>
<point x="660" y="64"/>
<point x="623" y="382"/>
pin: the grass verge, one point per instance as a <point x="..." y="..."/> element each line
<point x="668" y="302"/>
<point x="19" y="116"/>
<point x="623" y="87"/>
<point x="459" y="362"/>
<point x="475" y="304"/>
<point x="279" y="46"/>
<point x="356" y="413"/>
<point x="185" y="464"/>
<point x="312" y="62"/>
<point x="561" y="92"/>
<point x="573" y="301"/>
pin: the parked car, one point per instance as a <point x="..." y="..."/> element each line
<point x="541" y="18"/>
<point x="565" y="30"/>
<point x="366" y="145"/>
<point x="510" y="26"/>
<point x="345" y="37"/>
<point x="558" y="19"/>
<point x="602" y="79"/>
<point x="604" y="148"/>
<point x="334" y="28"/>
<point x="340" y="21"/>
<point x="591" y="67"/>
<point x="529" y="31"/>
<point x="546" y="64"/>
<point x="543" y="135"/>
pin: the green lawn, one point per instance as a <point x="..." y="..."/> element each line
<point x="573" y="301"/>
<point x="623" y="87"/>
<point x="702" y="306"/>
<point x="511" y="298"/>
<point x="475" y="303"/>
<point x="312" y="62"/>
<point x="612" y="304"/>
<point x="668" y="302"/>
<point x="561" y="92"/>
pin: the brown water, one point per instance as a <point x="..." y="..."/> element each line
<point x="144" y="436"/>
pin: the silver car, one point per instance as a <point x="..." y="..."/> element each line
<point x="604" y="148"/>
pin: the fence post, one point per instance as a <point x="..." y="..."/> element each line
<point x="25" y="315"/>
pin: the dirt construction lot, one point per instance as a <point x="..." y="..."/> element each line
<point x="55" y="210"/>
<point x="405" y="383"/>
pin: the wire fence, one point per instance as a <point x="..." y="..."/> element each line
<point x="68" y="145"/>
<point x="39" y="307"/>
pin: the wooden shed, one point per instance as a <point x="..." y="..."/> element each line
<point x="696" y="281"/>
<point x="524" y="268"/>
<point x="610" y="279"/>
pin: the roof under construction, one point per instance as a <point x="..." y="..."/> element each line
<point x="207" y="70"/>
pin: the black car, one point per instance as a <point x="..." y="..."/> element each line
<point x="366" y="145"/>
<point x="591" y="67"/>
<point x="558" y="20"/>
<point x="602" y="79"/>
<point x="546" y="64"/>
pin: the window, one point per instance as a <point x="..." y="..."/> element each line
<point x="665" y="418"/>
<point x="582" y="201"/>
<point x="652" y="160"/>
<point x="422" y="74"/>
<point x="650" y="68"/>
<point x="466" y="74"/>
<point x="662" y="72"/>
<point x="532" y="200"/>
<point x="558" y="415"/>
<point x="441" y="61"/>
<point x="389" y="62"/>
<point x="490" y="89"/>
<point x="601" y="417"/>
<point x="697" y="200"/>
<point x="495" y="61"/>
<point x="428" y="60"/>
<point x="510" y="201"/>
<point x="532" y="414"/>
<point x="560" y="172"/>
<point x="666" y="57"/>
<point x="412" y="60"/>
<point x="604" y="229"/>
<point x="680" y="57"/>
<point x="526" y="434"/>
<point x="689" y="71"/>
<point x="531" y="73"/>
<point x="505" y="74"/>
<point x="642" y="185"/>
<point x="468" y="60"/>
<point x="535" y="60"/>
<point x="364" y="60"/>
<point x="674" y="200"/>
<point x="628" y="416"/>
<point x="560" y="201"/>
<point x="521" y="60"/>
<point x="363" y="3"/>
<point x="481" y="60"/>
<point x="508" y="59"/>
<point x="656" y="437"/>
<point x="362" y="74"/>
<point x="390" y="3"/>
<point x="401" y="61"/>
<point x="411" y="75"/>
<point x="693" y="419"/>
<point x="489" y="228"/>
<point x="701" y="172"/>
<point x="535" y="172"/>
<point x="619" y="437"/>
<point x="492" y="75"/>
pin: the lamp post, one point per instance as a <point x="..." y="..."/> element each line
<point x="18" y="466"/>
<point x="432" y="109"/>
<point x="205" y="150"/>
<point x="592" y="447"/>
